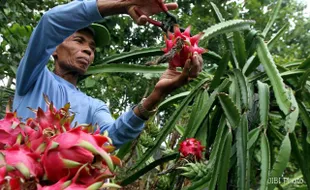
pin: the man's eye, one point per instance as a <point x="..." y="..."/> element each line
<point x="78" y="40"/>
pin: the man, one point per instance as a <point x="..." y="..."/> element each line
<point x="64" y="33"/>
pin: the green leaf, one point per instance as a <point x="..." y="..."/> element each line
<point x="121" y="153"/>
<point x="226" y="27"/>
<point x="169" y="125"/>
<point x="305" y="65"/>
<point x="291" y="118"/>
<point x="273" y="18"/>
<point x="286" y="75"/>
<point x="263" y="91"/>
<point x="306" y="152"/>
<point x="125" y="68"/>
<point x="202" y="132"/>
<point x="220" y="71"/>
<point x="265" y="161"/>
<point x="200" y="101"/>
<point x="172" y="99"/>
<point x="303" y="80"/>
<point x="143" y="52"/>
<point x="253" y="62"/>
<point x="217" y="12"/>
<point x="201" y="184"/>
<point x="89" y="82"/>
<point x="244" y="89"/>
<point x="203" y="107"/>
<point x="252" y="137"/>
<point x="137" y="53"/>
<point x="239" y="46"/>
<point x="275" y="37"/>
<point x="211" y="55"/>
<point x="296" y="153"/>
<point x="293" y="73"/>
<point x="250" y="44"/>
<point x="281" y="161"/>
<point x="214" y="161"/>
<point x="148" y="168"/>
<point x="278" y="86"/>
<point x="234" y="91"/>
<point x="305" y="117"/>
<point x="231" y="111"/>
<point x="241" y="144"/>
<point x="180" y="129"/>
<point x="225" y="162"/>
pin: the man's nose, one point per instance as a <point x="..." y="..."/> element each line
<point x="87" y="50"/>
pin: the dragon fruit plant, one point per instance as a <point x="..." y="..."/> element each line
<point x="189" y="46"/>
<point x="45" y="153"/>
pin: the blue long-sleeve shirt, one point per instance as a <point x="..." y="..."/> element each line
<point x="34" y="79"/>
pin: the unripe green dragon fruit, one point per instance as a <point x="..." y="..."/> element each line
<point x="146" y="140"/>
<point x="195" y="171"/>
<point x="163" y="182"/>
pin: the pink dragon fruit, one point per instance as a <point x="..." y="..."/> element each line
<point x="10" y="130"/>
<point x="46" y="151"/>
<point x="61" y="184"/>
<point x="190" y="46"/>
<point x="20" y="168"/>
<point x="191" y="146"/>
<point x="68" y="151"/>
<point x="46" y="125"/>
<point x="74" y="184"/>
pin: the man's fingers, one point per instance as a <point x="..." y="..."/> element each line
<point x="187" y="68"/>
<point x="195" y="66"/>
<point x="200" y="62"/>
<point x="171" y="6"/>
<point x="133" y="14"/>
<point x="142" y="20"/>
<point x="138" y="19"/>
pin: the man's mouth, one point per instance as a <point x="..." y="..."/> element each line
<point x="83" y="60"/>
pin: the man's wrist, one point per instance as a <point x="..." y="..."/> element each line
<point x="147" y="107"/>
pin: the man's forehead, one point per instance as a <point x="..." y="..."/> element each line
<point x="84" y="33"/>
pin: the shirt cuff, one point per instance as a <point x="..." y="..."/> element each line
<point x="133" y="119"/>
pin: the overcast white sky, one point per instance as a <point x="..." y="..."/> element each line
<point x="307" y="10"/>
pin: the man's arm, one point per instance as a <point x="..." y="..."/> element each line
<point x="130" y="124"/>
<point x="54" y="27"/>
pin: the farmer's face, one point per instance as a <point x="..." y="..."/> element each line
<point x="76" y="53"/>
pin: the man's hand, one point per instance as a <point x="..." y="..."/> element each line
<point x="148" y="8"/>
<point x="171" y="79"/>
<point x="139" y="10"/>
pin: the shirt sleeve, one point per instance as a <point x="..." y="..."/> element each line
<point x="125" y="128"/>
<point x="54" y="27"/>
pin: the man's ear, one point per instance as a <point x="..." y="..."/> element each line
<point x="54" y="55"/>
